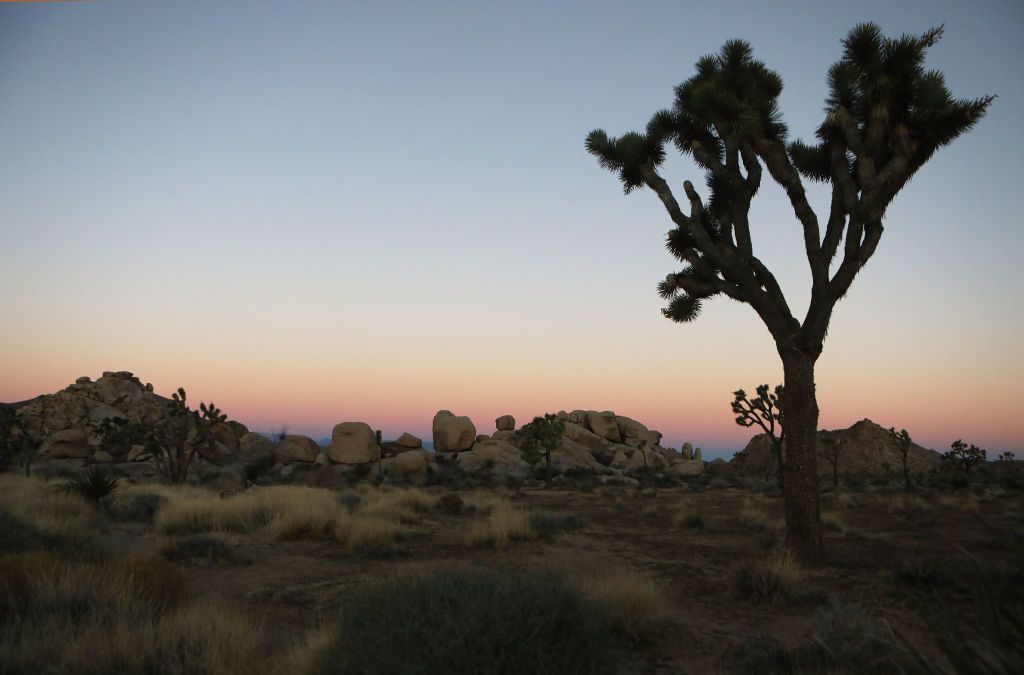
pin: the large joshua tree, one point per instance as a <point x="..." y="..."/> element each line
<point x="884" y="117"/>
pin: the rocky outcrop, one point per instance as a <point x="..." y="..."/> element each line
<point x="67" y="444"/>
<point x="296" y="448"/>
<point x="864" y="448"/>
<point x="452" y="433"/>
<point x="353" y="443"/>
<point x="411" y="464"/>
<point x="499" y="457"/>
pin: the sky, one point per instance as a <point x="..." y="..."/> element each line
<point x="321" y="212"/>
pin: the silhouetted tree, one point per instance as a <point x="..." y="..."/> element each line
<point x="902" y="440"/>
<point x="176" y="439"/>
<point x="885" y="116"/>
<point x="764" y="410"/>
<point x="1006" y="456"/>
<point x="831" y="448"/>
<point x="538" y="438"/>
<point x="963" y="456"/>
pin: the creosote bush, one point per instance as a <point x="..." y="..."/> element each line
<point x="469" y="623"/>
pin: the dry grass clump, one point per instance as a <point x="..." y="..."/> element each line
<point x="776" y="576"/>
<point x="833" y="521"/>
<point x="754" y="514"/>
<point x="503" y="524"/>
<point x="633" y="602"/>
<point x="118" y="615"/>
<point x="359" y="532"/>
<point x="907" y="504"/>
<point x="688" y="517"/>
<point x="404" y="506"/>
<point x="203" y="549"/>
<point x="961" y="502"/>
<point x="290" y="512"/>
<point x="45" y="507"/>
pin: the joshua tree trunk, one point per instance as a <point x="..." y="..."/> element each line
<point x="906" y="468"/>
<point x="777" y="452"/>
<point x="803" y="519"/>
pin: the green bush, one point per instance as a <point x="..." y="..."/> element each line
<point x="472" y="623"/>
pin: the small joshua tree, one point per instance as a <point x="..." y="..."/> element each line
<point x="764" y="410"/>
<point x="963" y="456"/>
<point x="1006" y="457"/>
<point x="175" y="441"/>
<point x="538" y="439"/>
<point x="903" y="442"/>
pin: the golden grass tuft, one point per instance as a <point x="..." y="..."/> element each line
<point x="754" y="514"/>
<point x="688" y="517"/>
<point x="46" y="508"/>
<point x="633" y="601"/>
<point x="502" y="525"/>
<point x="776" y="576"/>
<point x="833" y="521"/>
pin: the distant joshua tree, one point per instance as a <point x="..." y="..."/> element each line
<point x="175" y="441"/>
<point x="963" y="456"/>
<point x="903" y="442"/>
<point x="1006" y="456"/>
<point x="538" y="439"/>
<point x="764" y="410"/>
<point x="885" y="117"/>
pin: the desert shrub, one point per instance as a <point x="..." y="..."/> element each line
<point x="451" y="504"/>
<point x="632" y="602"/>
<point x="833" y="521"/>
<point x="777" y="576"/>
<point x="502" y="524"/>
<point x="754" y="514"/>
<point x="719" y="483"/>
<point x="924" y="573"/>
<point x="350" y="499"/>
<point x="688" y="517"/>
<point x="547" y="525"/>
<point x="203" y="549"/>
<point x="469" y="623"/>
<point x="361" y="533"/>
<point x="842" y="639"/>
<point x="400" y="505"/>
<point x="94" y="484"/>
<point x="767" y="540"/>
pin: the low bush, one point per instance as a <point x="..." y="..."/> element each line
<point x="688" y="517"/>
<point x="502" y="524"/>
<point x="93" y="485"/>
<point x="469" y="623"/>
<point x="923" y="573"/>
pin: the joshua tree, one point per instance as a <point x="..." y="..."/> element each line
<point x="831" y="454"/>
<point x="538" y="438"/>
<point x="765" y="410"/>
<point x="903" y="442"/>
<point x="885" y="116"/>
<point x="175" y="441"/>
<point x="1006" y="457"/>
<point x="963" y="456"/>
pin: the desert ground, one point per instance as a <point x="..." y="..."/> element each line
<point x="365" y="577"/>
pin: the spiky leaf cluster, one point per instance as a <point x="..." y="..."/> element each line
<point x="882" y="103"/>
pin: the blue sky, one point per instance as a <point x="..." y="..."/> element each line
<point x="300" y="208"/>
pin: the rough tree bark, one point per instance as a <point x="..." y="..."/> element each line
<point x="803" y="522"/>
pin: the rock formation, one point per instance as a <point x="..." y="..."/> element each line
<point x="452" y="433"/>
<point x="864" y="448"/>
<point x="353" y="443"/>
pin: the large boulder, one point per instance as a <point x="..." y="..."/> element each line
<point x="686" y="467"/>
<point x="636" y="434"/>
<point x="411" y="464"/>
<point x="603" y="424"/>
<point x="452" y="433"/>
<point x="409" y="441"/>
<point x="505" y="423"/>
<point x="252" y="443"/>
<point x="499" y="457"/>
<point x="296" y="448"/>
<point x="67" y="444"/>
<point x="588" y="439"/>
<point x="353" y="443"/>
<point x="570" y="456"/>
<point x="225" y="434"/>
